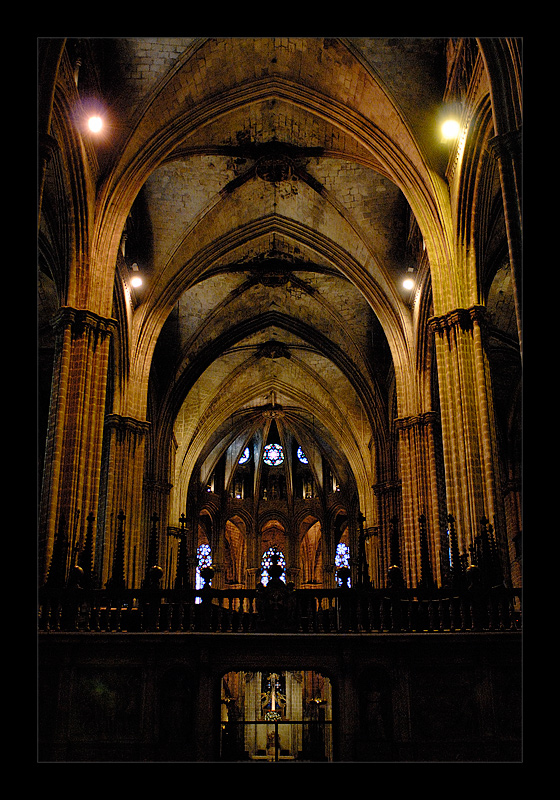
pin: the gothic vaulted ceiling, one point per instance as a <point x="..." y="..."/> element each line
<point x="271" y="224"/>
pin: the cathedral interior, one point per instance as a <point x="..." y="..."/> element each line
<point x="279" y="399"/>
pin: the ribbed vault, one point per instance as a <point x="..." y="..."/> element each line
<point x="273" y="193"/>
<point x="279" y="220"/>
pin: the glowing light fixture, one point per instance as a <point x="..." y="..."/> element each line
<point x="408" y="283"/>
<point x="136" y="279"/>
<point x="450" y="129"/>
<point x="95" y="124"/>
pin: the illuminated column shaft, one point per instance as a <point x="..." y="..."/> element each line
<point x="389" y="508"/>
<point x="420" y="495"/>
<point x="252" y="695"/>
<point x="75" y="431"/>
<point x="124" y="492"/>
<point x="468" y="428"/>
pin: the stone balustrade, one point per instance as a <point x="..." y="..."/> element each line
<point x="280" y="609"/>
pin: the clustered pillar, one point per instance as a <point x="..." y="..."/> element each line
<point x="420" y="497"/>
<point x="468" y="427"/>
<point x="75" y="431"/>
<point x="124" y="460"/>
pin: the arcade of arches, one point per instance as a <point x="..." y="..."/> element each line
<point x="272" y="500"/>
<point x="233" y="370"/>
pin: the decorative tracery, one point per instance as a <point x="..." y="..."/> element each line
<point x="342" y="564"/>
<point x="273" y="455"/>
<point x="302" y="457"/>
<point x="204" y="560"/>
<point x="245" y="456"/>
<point x="272" y="557"/>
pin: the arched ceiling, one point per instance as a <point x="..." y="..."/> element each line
<point x="278" y="208"/>
<point x="273" y="241"/>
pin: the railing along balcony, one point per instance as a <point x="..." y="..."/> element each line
<point x="280" y="609"/>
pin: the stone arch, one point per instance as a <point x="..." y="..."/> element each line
<point x="419" y="185"/>
<point x="310" y="538"/>
<point x="476" y="195"/>
<point x="68" y="167"/>
<point x="223" y="412"/>
<point x="285" y="323"/>
<point x="395" y="321"/>
<point x="234" y="558"/>
<point x="273" y="531"/>
<point x="205" y="528"/>
<point x="168" y="108"/>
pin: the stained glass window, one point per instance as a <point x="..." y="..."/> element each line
<point x="204" y="559"/>
<point x="272" y="556"/>
<point x="302" y="457"/>
<point x="245" y="456"/>
<point x="273" y="455"/>
<point x="342" y="559"/>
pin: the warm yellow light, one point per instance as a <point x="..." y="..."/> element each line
<point x="450" y="129"/>
<point x="95" y="124"/>
<point x="136" y="281"/>
<point x="408" y="283"/>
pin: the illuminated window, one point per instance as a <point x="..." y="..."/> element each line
<point x="246" y="456"/>
<point x="204" y="559"/>
<point x="302" y="457"/>
<point x="272" y="556"/>
<point x="342" y="559"/>
<point x="273" y="455"/>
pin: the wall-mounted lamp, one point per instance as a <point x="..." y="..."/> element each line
<point x="136" y="279"/>
<point x="95" y="123"/>
<point x="450" y="129"/>
<point x="449" y="121"/>
<point x="408" y="282"/>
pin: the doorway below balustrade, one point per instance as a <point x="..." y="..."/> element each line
<point x="276" y="715"/>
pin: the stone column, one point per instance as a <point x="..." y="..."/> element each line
<point x="514" y="516"/>
<point x="372" y="547"/>
<point x="124" y="455"/>
<point x="156" y="501"/>
<point x="468" y="429"/>
<point x="253" y="577"/>
<point x="75" y="430"/>
<point x="420" y="494"/>
<point x="389" y="514"/>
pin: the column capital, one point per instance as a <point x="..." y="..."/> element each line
<point x="384" y="487"/>
<point x="129" y="424"/>
<point x="458" y="318"/>
<point x="419" y="420"/>
<point x="151" y="484"/>
<point x="505" y="144"/>
<point x="82" y="318"/>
